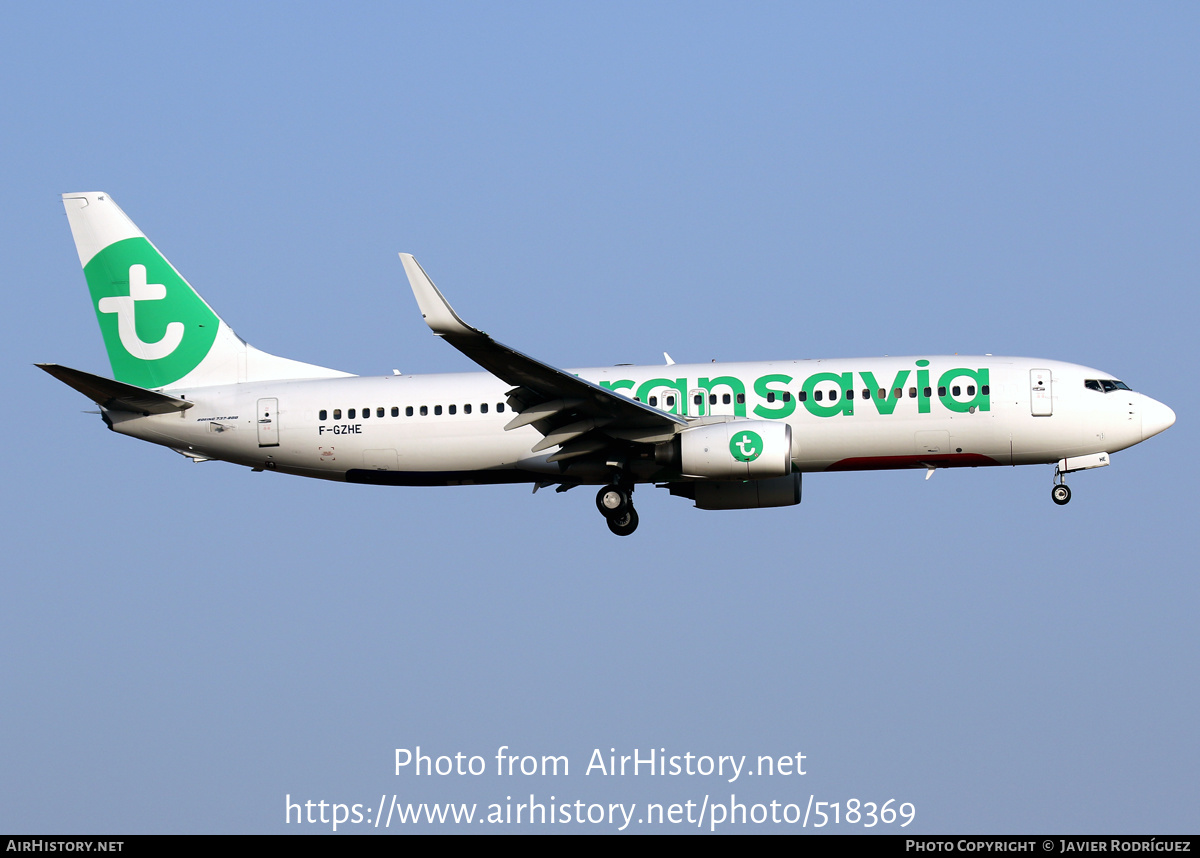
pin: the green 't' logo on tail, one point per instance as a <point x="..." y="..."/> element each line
<point x="155" y="327"/>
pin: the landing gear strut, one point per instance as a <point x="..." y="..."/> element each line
<point x="615" y="503"/>
<point x="1060" y="494"/>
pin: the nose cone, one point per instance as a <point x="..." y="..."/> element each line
<point x="1155" y="417"/>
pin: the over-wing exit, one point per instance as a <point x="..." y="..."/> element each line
<point x="724" y="435"/>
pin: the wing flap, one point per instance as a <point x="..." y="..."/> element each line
<point x="544" y="410"/>
<point x="567" y="433"/>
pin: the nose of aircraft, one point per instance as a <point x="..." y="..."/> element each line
<point x="1156" y="417"/>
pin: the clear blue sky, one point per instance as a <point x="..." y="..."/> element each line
<point x="185" y="645"/>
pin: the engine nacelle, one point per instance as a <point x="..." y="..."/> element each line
<point x="737" y="450"/>
<point x="751" y="494"/>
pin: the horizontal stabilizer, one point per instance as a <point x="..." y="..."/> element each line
<point x="115" y="395"/>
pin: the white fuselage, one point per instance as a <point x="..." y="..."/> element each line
<point x="950" y="411"/>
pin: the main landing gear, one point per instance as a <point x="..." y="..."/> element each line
<point x="615" y="503"/>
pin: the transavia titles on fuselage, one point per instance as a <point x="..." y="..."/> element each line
<point x="727" y="436"/>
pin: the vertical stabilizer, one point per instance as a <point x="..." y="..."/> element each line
<point x="158" y="331"/>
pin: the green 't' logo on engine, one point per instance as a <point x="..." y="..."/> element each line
<point x="746" y="446"/>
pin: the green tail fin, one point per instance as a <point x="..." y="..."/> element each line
<point x="158" y="331"/>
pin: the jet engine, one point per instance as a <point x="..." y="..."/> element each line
<point x="750" y="494"/>
<point x="736" y="450"/>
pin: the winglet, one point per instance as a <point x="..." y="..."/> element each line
<point x="546" y="383"/>
<point x="435" y="309"/>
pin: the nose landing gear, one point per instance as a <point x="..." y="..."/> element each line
<point x="1060" y="494"/>
<point x="615" y="503"/>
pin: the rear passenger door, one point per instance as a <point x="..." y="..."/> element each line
<point x="268" y="422"/>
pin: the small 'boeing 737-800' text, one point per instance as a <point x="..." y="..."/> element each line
<point x="725" y="435"/>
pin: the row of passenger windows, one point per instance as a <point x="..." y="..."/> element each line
<point x="819" y="396"/>
<point x="669" y="401"/>
<point x="409" y="411"/>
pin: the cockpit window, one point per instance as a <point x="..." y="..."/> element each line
<point x="1105" y="385"/>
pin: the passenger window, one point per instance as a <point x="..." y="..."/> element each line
<point x="350" y="414"/>
<point x="955" y="391"/>
<point x="467" y="408"/>
<point x="741" y="399"/>
<point x="941" y="391"/>
<point x="437" y="410"/>
<point x="912" y="393"/>
<point x="712" y="399"/>
<point x="453" y="409"/>
<point x="725" y="399"/>
<point x="670" y="402"/>
<point x="770" y="397"/>
<point x="408" y="411"/>
<point x="882" y="394"/>
<point x="698" y="399"/>
<point x="366" y="413"/>
<point x="379" y="412"/>
<point x="483" y="408"/>
<point x="787" y="396"/>
<point x="395" y="411"/>
<point x="337" y="414"/>
<point x="850" y="393"/>
<point x="970" y="390"/>
<point x="866" y="393"/>
<point x="802" y="396"/>
<point x="899" y="391"/>
<point x="985" y="389"/>
<point x="324" y="415"/>
<point x="833" y="396"/>
<point x="818" y="395"/>
<point x="654" y="401"/>
<point x="499" y="407"/>
<point x="928" y="392"/>
<point x="424" y="410"/>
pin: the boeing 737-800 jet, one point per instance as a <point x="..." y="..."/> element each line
<point x="726" y="436"/>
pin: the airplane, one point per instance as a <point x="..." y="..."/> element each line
<point x="723" y="435"/>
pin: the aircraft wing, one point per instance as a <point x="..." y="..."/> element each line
<point x="584" y="418"/>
